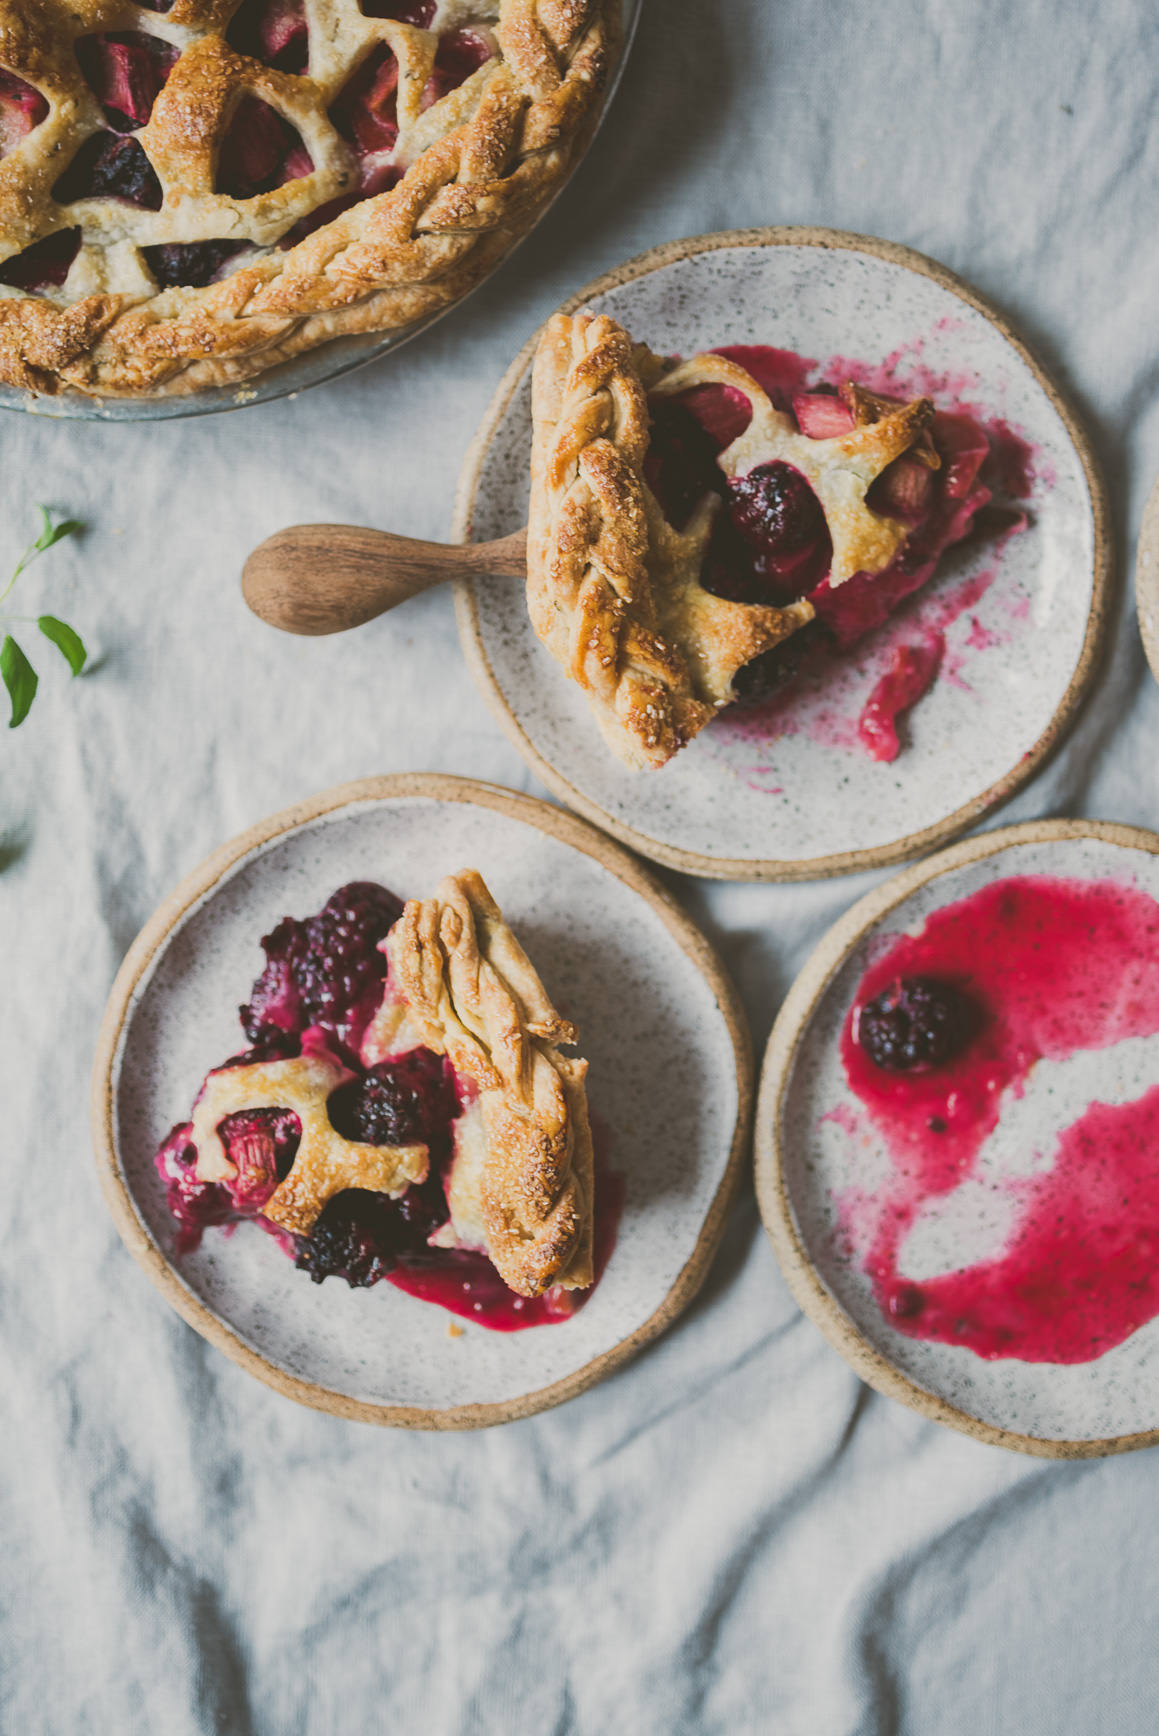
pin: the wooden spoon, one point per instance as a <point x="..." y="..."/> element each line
<point x="1147" y="581"/>
<point x="324" y="578"/>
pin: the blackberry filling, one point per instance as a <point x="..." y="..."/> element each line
<point x="408" y="1101"/>
<point x="326" y="970"/>
<point x="108" y="166"/>
<point x="190" y="264"/>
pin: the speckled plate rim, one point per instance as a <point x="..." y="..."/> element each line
<point x="329" y="361"/>
<point x="847" y="861"/>
<point x="790" y="1030"/>
<point x="1147" y="579"/>
<point x="556" y="823"/>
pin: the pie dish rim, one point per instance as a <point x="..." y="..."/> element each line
<point x="201" y="882"/>
<point x="900" y="850"/>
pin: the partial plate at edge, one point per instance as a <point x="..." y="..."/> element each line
<point x="1073" y="1411"/>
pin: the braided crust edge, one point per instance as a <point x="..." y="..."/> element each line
<point x="475" y="997"/>
<point x="389" y="262"/>
<point x="612" y="589"/>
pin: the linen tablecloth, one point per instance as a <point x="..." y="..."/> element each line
<point x="733" y="1534"/>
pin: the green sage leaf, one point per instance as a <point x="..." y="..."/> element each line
<point x="19" y="678"/>
<point x="54" y="533"/>
<point x="66" y="639"/>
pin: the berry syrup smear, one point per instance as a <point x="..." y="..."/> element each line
<point x="1031" y="969"/>
<point x="878" y="644"/>
<point x="322" y="983"/>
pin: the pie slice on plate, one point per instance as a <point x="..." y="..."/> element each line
<point x="690" y="531"/>
<point x="405" y="1110"/>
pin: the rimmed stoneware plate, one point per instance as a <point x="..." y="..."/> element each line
<point x="670" y="1086"/>
<point x="820" y="1158"/>
<point x="799" y="798"/>
<point x="330" y="362"/>
<point x="1147" y="580"/>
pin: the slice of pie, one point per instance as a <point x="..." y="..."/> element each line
<point x="690" y="529"/>
<point x="405" y="1110"/>
<point x="194" y="190"/>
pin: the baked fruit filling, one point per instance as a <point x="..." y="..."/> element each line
<point x="698" y="527"/>
<point x="403" y="1112"/>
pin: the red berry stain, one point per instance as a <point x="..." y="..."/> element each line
<point x="912" y="672"/>
<point x="1055" y="967"/>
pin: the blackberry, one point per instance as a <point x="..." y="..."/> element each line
<point x="681" y="466"/>
<point x="775" y="510"/>
<point x="774" y="669"/>
<point x="408" y="1101"/>
<point x="326" y="970"/>
<point x="189" y="264"/>
<point x="916" y="1023"/>
<point x="360" y="1235"/>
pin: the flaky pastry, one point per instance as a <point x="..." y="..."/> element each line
<point x="325" y="1163"/>
<point x="614" y="590"/>
<point x="194" y="190"/>
<point x="472" y="994"/>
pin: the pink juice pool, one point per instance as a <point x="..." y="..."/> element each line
<point x="1051" y="967"/>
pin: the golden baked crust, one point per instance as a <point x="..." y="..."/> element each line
<point x="471" y="993"/>
<point x="325" y="1163"/>
<point x="613" y="590"/>
<point x="480" y="165"/>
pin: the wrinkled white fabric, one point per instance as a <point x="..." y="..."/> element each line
<point x="732" y="1534"/>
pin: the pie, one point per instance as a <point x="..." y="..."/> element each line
<point x="692" y="526"/>
<point x="404" y="1110"/>
<point x="194" y="190"/>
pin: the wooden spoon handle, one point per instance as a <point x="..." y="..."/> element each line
<point x="324" y="578"/>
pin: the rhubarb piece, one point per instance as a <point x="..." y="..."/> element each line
<point x="274" y="32"/>
<point x="22" y="108"/>
<point x="911" y="673"/>
<point x="365" y="110"/>
<point x="125" y="72"/>
<point x="45" y="264"/>
<point x="260" y="151"/>
<point x="459" y="54"/>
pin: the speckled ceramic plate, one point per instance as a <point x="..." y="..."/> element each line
<point x="1147" y="580"/>
<point x="669" y="1082"/>
<point x="797" y="796"/>
<point x="824" y="1173"/>
<point x="314" y="368"/>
